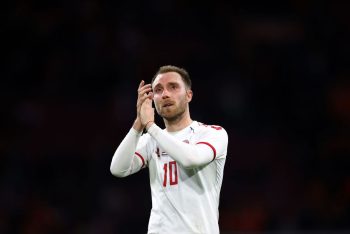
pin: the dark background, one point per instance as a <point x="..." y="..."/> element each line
<point x="275" y="76"/>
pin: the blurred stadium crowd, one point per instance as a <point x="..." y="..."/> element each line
<point x="275" y="76"/>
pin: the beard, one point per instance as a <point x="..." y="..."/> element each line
<point x="175" y="113"/>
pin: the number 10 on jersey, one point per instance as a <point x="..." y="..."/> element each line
<point x="170" y="171"/>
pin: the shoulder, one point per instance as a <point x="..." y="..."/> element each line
<point x="207" y="127"/>
<point x="202" y="128"/>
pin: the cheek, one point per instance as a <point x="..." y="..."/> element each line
<point x="156" y="97"/>
<point x="183" y="98"/>
<point x="155" y="101"/>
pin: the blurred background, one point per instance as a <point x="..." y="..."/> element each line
<point x="275" y="76"/>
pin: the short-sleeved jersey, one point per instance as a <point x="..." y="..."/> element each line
<point x="185" y="200"/>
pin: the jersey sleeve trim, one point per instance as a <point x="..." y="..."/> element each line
<point x="142" y="159"/>
<point x="212" y="147"/>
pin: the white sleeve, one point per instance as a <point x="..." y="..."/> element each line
<point x="188" y="155"/>
<point x="126" y="160"/>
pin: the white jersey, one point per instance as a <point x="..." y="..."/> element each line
<point x="184" y="200"/>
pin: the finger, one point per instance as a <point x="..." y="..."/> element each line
<point x="144" y="90"/>
<point x="144" y="94"/>
<point x="145" y="86"/>
<point x="141" y="84"/>
<point x="150" y="95"/>
<point x="142" y="99"/>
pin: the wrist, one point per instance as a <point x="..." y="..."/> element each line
<point x="137" y="125"/>
<point x="149" y="124"/>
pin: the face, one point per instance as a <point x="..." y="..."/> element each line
<point x="170" y="95"/>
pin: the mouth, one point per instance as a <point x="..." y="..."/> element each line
<point x="168" y="104"/>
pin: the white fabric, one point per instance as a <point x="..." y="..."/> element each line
<point x="123" y="162"/>
<point x="185" y="178"/>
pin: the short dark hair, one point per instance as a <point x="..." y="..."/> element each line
<point x="171" y="68"/>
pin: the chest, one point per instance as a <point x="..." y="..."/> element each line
<point x="164" y="169"/>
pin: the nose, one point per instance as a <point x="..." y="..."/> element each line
<point x="165" y="94"/>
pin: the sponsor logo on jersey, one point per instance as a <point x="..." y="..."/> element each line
<point x="160" y="153"/>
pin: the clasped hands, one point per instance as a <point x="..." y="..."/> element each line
<point x="144" y="109"/>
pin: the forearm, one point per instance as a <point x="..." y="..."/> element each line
<point x="137" y="125"/>
<point x="123" y="157"/>
<point x="187" y="155"/>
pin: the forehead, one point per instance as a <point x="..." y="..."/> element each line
<point x="168" y="77"/>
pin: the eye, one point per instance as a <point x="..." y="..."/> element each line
<point x="157" y="90"/>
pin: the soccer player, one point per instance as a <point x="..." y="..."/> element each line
<point x="185" y="160"/>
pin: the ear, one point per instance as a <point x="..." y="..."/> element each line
<point x="189" y="95"/>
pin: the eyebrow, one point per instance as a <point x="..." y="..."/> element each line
<point x="156" y="85"/>
<point x="170" y="83"/>
<point x="173" y="83"/>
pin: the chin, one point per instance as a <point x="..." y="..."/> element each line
<point x="167" y="116"/>
<point x="172" y="117"/>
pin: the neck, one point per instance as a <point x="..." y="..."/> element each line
<point x="179" y="123"/>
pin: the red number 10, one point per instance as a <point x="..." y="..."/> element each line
<point x="172" y="168"/>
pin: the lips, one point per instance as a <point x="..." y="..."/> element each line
<point x="168" y="104"/>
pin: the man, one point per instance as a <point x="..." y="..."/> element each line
<point x="185" y="160"/>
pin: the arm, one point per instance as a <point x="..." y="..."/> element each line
<point x="188" y="155"/>
<point x="124" y="161"/>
